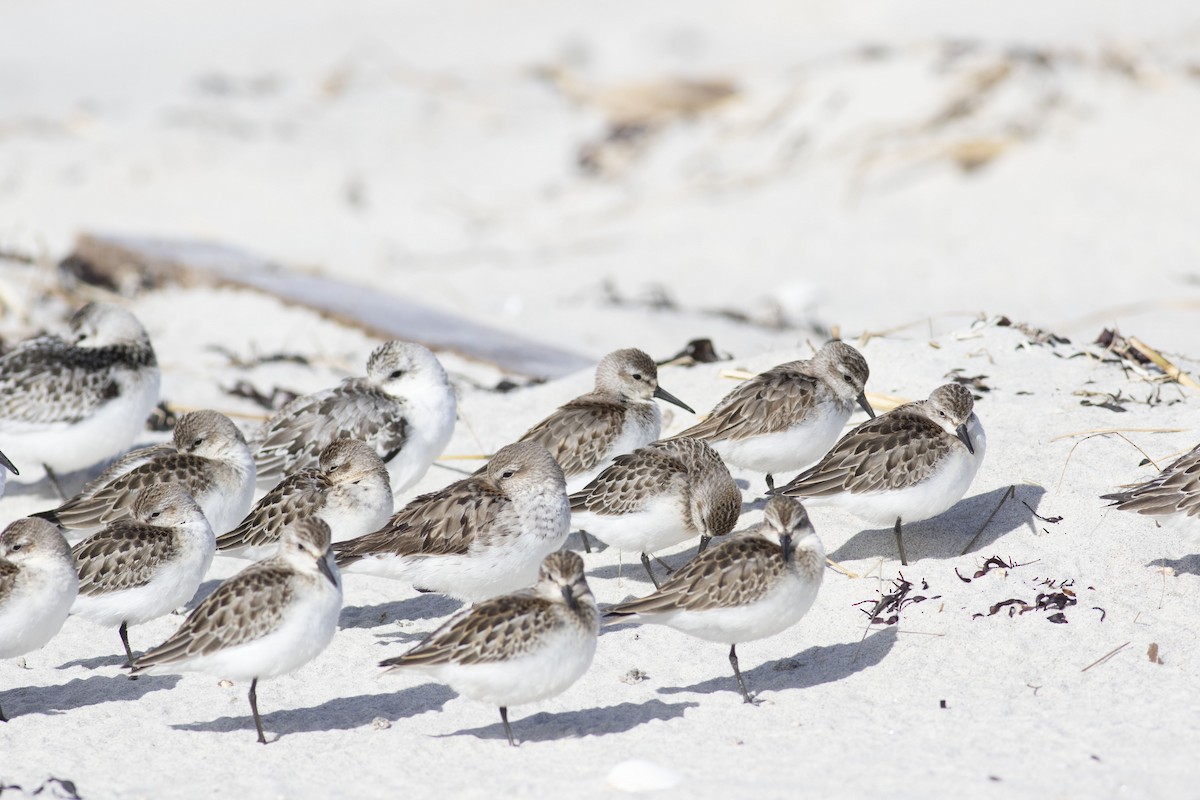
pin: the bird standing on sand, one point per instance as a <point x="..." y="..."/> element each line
<point x="37" y="586"/>
<point x="140" y="568"/>
<point x="269" y="619"/>
<point x="754" y="584"/>
<point x="912" y="463"/>
<point x="659" y="496"/>
<point x="618" y="416"/>
<point x="68" y="403"/>
<point x="349" y="489"/>
<point x="475" y="539"/>
<point x="518" y="648"/>
<point x="208" y="456"/>
<point x="789" y="416"/>
<point x="404" y="408"/>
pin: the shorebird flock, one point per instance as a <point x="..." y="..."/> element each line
<point x="147" y="528"/>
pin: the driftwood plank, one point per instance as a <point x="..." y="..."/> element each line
<point x="129" y="263"/>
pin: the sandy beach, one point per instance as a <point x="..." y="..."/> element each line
<point x="970" y="194"/>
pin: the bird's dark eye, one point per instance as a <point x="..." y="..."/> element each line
<point x="637" y="376"/>
<point x="508" y="473"/>
<point x="16" y="547"/>
<point x="300" y="547"/>
<point x="848" y="379"/>
<point x="396" y="373"/>
<point x="156" y="515"/>
<point x="197" y="443"/>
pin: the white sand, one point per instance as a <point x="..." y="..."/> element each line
<point x="470" y="201"/>
<point x="851" y="719"/>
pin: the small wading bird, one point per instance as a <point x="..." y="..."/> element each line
<point x="912" y="463"/>
<point x="518" y="648"/>
<point x="269" y="619"/>
<point x="755" y="584"/>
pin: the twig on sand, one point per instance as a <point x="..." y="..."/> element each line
<point x="177" y="409"/>
<point x="1105" y="657"/>
<point x="466" y="420"/>
<point x="1012" y="492"/>
<point x="1173" y="372"/>
<point x="1102" y="431"/>
<point x="839" y="568"/>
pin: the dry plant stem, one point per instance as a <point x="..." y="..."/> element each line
<point x="471" y="428"/>
<point x="177" y="409"/>
<point x="839" y="568"/>
<point x="1071" y="452"/>
<point x="1172" y="371"/>
<point x="1105" y="657"/>
<point x="1011" y="493"/>
<point x="455" y="470"/>
<point x="1099" y="431"/>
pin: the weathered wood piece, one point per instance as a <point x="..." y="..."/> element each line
<point x="128" y="264"/>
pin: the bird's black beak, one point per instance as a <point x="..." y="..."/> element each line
<point x="569" y="595"/>
<point x="787" y="547"/>
<point x="663" y="394"/>
<point x="4" y="462"/>
<point x="865" y="405"/>
<point x="961" y="430"/>
<point x="326" y="570"/>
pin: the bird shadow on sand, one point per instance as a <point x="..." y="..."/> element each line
<point x="575" y="542"/>
<point x="545" y="726"/>
<point x="341" y="713"/>
<point x="44" y="490"/>
<point x="1188" y="565"/>
<point x="425" y="606"/>
<point x="632" y="570"/>
<point x="631" y="566"/>
<point x="812" y="667"/>
<point x="757" y="504"/>
<point x="96" y="662"/>
<point x="945" y="535"/>
<point x="205" y="589"/>
<point x="82" y="692"/>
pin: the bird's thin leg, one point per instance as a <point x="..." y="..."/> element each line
<point x="507" y="727"/>
<point x="738" y="674"/>
<point x="704" y="540"/>
<point x="262" y="739"/>
<point x="900" y="544"/>
<point x="54" y="480"/>
<point x="2" y="717"/>
<point x="587" y="543"/>
<point x="124" y="631"/>
<point x="650" y="572"/>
